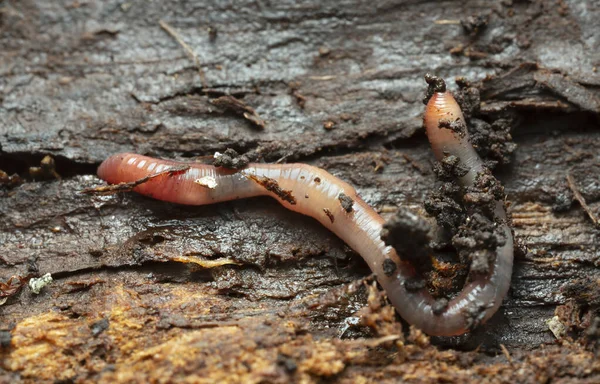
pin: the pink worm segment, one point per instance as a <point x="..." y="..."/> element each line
<point x="316" y="194"/>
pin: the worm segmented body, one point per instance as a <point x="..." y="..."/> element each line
<point x="314" y="192"/>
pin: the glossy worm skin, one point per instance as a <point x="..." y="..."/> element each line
<point x="314" y="192"/>
<point x="484" y="292"/>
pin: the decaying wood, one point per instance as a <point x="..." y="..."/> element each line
<point x="340" y="85"/>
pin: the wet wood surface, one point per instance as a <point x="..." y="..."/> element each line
<point x="146" y="290"/>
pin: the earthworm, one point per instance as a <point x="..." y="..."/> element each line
<point x="336" y="205"/>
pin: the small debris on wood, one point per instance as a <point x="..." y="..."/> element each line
<point x="332" y="122"/>
<point x="447" y="22"/>
<point x="579" y="197"/>
<point x="329" y="125"/>
<point x="36" y="284"/>
<point x="128" y="187"/>
<point x="99" y="326"/>
<point x="378" y="315"/>
<point x="324" y="51"/>
<point x="12" y="286"/>
<point x="171" y="31"/>
<point x="207" y="264"/>
<point x="238" y="107"/>
<point x="556" y="327"/>
<point x="11" y="180"/>
<point x="46" y="170"/>
<point x="475" y="24"/>
<point x="506" y="354"/>
<point x="300" y="99"/>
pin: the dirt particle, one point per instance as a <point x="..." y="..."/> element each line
<point x="455" y="125"/>
<point x="468" y="98"/>
<point x="346" y="202"/>
<point x="473" y="25"/>
<point x="462" y="82"/>
<point x="324" y="51"/>
<point x="436" y="84"/>
<point x="494" y="141"/>
<point x="489" y="184"/>
<point x="5" y="339"/>
<point x="439" y="306"/>
<point x="230" y="159"/>
<point x="476" y="242"/>
<point x="99" y="326"/>
<point x="238" y="107"/>
<point x="449" y="168"/>
<point x="272" y="185"/>
<point x="443" y="206"/>
<point x="486" y="191"/>
<point x="96" y="253"/>
<point x="414" y="284"/>
<point x="46" y="170"/>
<point x="317" y="180"/>
<point x="329" y="214"/>
<point x="295" y="92"/>
<point x="468" y="214"/>
<point x="10" y="180"/>
<point x="389" y="267"/>
<point x="329" y="125"/>
<point x="408" y="234"/>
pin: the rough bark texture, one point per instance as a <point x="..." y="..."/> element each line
<point x="339" y="85"/>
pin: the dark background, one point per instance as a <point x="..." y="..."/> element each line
<point x="339" y="85"/>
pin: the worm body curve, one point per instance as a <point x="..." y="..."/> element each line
<point x="335" y="204"/>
